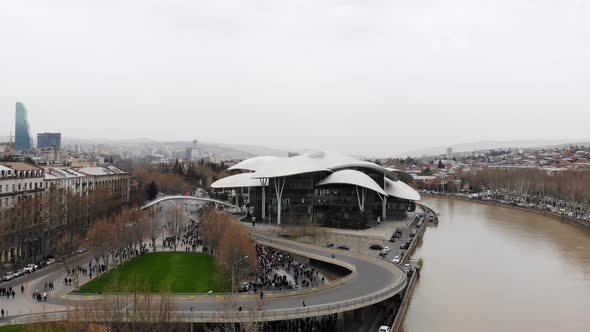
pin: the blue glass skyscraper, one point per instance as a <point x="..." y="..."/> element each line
<point x="22" y="132"/>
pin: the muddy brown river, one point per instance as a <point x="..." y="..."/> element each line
<point x="490" y="268"/>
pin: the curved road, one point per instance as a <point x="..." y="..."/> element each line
<point x="373" y="280"/>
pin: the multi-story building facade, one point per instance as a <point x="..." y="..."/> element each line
<point x="19" y="182"/>
<point x="111" y="178"/>
<point x="49" y="140"/>
<point x="22" y="132"/>
<point x="39" y="204"/>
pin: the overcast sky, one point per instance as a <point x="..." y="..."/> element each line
<point x="364" y="76"/>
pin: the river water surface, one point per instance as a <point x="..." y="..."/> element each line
<point x="490" y="268"/>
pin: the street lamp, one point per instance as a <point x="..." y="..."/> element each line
<point x="209" y="292"/>
<point x="232" y="271"/>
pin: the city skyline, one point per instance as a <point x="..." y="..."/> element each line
<point x="504" y="71"/>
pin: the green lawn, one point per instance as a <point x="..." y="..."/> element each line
<point x="163" y="272"/>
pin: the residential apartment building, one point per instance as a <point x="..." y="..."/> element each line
<point x="29" y="228"/>
<point x="18" y="182"/>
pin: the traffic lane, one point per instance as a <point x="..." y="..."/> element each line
<point x="40" y="273"/>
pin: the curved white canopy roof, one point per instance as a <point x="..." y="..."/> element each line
<point x="253" y="164"/>
<point x="315" y="161"/>
<point x="237" y="181"/>
<point x="401" y="190"/>
<point x="350" y="176"/>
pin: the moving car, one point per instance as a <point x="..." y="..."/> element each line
<point x="376" y="247"/>
<point x="414" y="232"/>
<point x="386" y="249"/>
<point x="397" y="259"/>
<point x="343" y="247"/>
<point x="384" y="329"/>
<point x="407" y="267"/>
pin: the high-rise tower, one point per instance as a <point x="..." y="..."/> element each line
<point x="22" y="132"/>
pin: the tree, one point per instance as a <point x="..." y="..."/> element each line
<point x="154" y="227"/>
<point x="236" y="244"/>
<point x="152" y="191"/>
<point x="66" y="244"/>
<point x="440" y="164"/>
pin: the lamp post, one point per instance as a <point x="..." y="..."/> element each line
<point x="232" y="280"/>
<point x="191" y="320"/>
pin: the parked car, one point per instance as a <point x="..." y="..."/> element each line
<point x="8" y="276"/>
<point x="382" y="254"/>
<point x="50" y="261"/>
<point x="30" y="268"/>
<point x="376" y="247"/>
<point x="343" y="247"/>
<point x="404" y="246"/>
<point x="413" y="233"/>
<point x="20" y="272"/>
<point x="407" y="267"/>
<point x="385" y="329"/>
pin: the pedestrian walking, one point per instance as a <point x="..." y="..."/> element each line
<point x="2" y="311"/>
<point x="304" y="303"/>
<point x="22" y="288"/>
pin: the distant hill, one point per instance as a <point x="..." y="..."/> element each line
<point x="225" y="151"/>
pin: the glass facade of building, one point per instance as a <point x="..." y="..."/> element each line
<point x="22" y="132"/>
<point x="47" y="140"/>
<point x="303" y="202"/>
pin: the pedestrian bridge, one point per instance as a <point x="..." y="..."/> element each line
<point x="372" y="280"/>
<point x="187" y="198"/>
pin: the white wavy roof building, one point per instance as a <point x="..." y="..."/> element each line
<point x="341" y="167"/>
<point x="329" y="168"/>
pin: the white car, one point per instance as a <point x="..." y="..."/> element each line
<point x="8" y="276"/>
<point x="30" y="268"/>
<point x="407" y="267"/>
<point x="384" y="329"/>
<point x="50" y="261"/>
<point x="386" y="249"/>
<point x="397" y="259"/>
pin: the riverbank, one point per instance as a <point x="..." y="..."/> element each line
<point x="551" y="215"/>
<point x="408" y="293"/>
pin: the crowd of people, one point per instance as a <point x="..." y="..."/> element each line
<point x="7" y="293"/>
<point x="280" y="271"/>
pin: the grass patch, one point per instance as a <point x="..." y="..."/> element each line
<point x="163" y="272"/>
